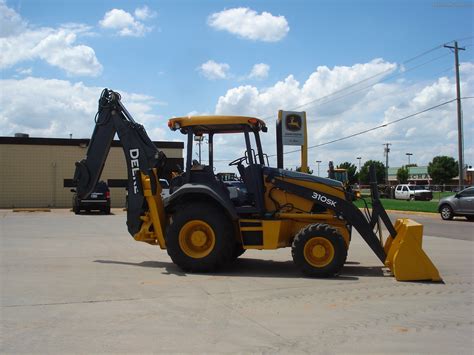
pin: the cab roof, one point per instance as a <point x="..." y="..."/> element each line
<point x="216" y="124"/>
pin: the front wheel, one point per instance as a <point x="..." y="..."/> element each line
<point x="446" y="212"/>
<point x="319" y="250"/>
<point x="200" y="237"/>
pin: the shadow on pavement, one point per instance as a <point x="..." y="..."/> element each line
<point x="244" y="267"/>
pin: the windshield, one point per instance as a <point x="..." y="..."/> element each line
<point x="340" y="176"/>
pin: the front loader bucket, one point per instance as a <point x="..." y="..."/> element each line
<point x="405" y="256"/>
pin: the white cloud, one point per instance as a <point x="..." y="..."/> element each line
<point x="11" y="21"/>
<point x="55" y="108"/>
<point x="125" y="23"/>
<point x="259" y="71"/>
<point x="247" y="23"/>
<point x="213" y="70"/>
<point x="22" y="42"/>
<point x="341" y="115"/>
<point x="144" y="13"/>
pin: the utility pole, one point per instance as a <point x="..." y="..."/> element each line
<point x="318" y="162"/>
<point x="359" y="158"/>
<point x="386" y="151"/>
<point x="458" y="99"/>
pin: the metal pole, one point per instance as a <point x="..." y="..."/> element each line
<point x="359" y="158"/>
<point x="199" y="143"/>
<point x="318" y="161"/>
<point x="459" y="111"/>
<point x="386" y="151"/>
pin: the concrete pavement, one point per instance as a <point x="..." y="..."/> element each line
<point x="81" y="284"/>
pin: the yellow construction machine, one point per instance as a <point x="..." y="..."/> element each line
<point x="203" y="227"/>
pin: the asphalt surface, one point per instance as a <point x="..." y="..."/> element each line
<point x="81" y="284"/>
<point x="433" y="225"/>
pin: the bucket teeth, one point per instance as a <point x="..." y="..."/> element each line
<point x="405" y="256"/>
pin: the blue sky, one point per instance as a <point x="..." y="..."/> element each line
<point x="173" y="58"/>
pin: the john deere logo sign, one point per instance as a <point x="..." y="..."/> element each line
<point x="293" y="127"/>
<point x="293" y="122"/>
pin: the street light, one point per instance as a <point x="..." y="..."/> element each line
<point x="359" y="158"/>
<point x="408" y="155"/>
<point x="318" y="162"/>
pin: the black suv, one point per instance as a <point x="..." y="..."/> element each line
<point x="99" y="199"/>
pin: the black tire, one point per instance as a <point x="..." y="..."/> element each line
<point x="212" y="220"/>
<point x="238" y="251"/>
<point x="334" y="247"/>
<point x="107" y="210"/>
<point x="446" y="212"/>
<point x="470" y="218"/>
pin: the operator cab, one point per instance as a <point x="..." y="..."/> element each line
<point x="249" y="166"/>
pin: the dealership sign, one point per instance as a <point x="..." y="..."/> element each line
<point x="293" y="127"/>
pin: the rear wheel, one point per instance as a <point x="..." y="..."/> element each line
<point x="200" y="237"/>
<point x="470" y="218"/>
<point x="319" y="250"/>
<point x="446" y="212"/>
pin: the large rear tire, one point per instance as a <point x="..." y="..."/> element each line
<point x="200" y="237"/>
<point x="319" y="250"/>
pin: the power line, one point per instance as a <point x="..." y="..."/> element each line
<point x="265" y="118"/>
<point x="373" y="128"/>
<point x="367" y="130"/>
<point x="385" y="79"/>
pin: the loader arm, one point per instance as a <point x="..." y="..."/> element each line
<point x="144" y="161"/>
<point x="402" y="252"/>
<point x="344" y="208"/>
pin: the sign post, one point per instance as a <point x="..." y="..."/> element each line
<point x="291" y="130"/>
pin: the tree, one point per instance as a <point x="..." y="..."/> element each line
<point x="298" y="168"/>
<point x="402" y="175"/>
<point x="351" y="171"/>
<point x="379" y="172"/>
<point x="442" y="169"/>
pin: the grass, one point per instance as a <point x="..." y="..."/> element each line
<point x="401" y="205"/>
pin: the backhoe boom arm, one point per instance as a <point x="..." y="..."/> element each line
<point x="141" y="156"/>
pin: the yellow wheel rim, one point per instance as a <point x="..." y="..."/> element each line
<point x="319" y="252"/>
<point x="197" y="239"/>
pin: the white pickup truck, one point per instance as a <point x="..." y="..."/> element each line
<point x="412" y="192"/>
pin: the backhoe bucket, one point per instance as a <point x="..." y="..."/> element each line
<point x="405" y="256"/>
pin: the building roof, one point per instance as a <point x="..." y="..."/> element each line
<point x="76" y="142"/>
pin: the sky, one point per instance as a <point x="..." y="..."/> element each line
<point x="350" y="65"/>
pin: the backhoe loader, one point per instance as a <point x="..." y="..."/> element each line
<point x="203" y="228"/>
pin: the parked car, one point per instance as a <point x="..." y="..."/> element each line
<point x="413" y="192"/>
<point x="461" y="204"/>
<point x="99" y="199"/>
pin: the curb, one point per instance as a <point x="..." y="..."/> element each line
<point x="31" y="210"/>
<point x="415" y="212"/>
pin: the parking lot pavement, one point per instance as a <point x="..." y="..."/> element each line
<point x="81" y="284"/>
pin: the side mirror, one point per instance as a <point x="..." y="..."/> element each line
<point x="73" y="190"/>
<point x="457" y="195"/>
